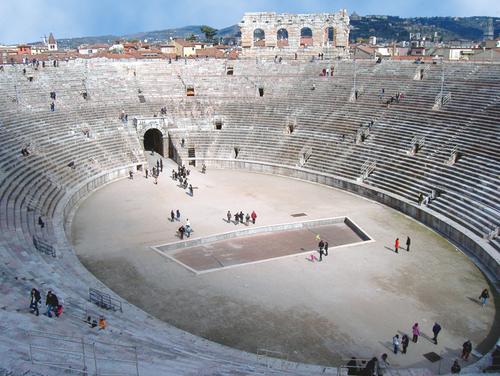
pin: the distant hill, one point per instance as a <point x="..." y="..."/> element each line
<point x="385" y="28"/>
<point x="389" y="28"/>
<point x="151" y="36"/>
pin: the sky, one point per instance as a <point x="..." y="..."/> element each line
<point x="28" y="20"/>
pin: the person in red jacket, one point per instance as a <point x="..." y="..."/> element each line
<point x="396" y="245"/>
<point x="254" y="216"/>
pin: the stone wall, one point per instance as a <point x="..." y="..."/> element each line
<point x="318" y="24"/>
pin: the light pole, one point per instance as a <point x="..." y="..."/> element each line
<point x="354" y="79"/>
<point x="442" y="78"/>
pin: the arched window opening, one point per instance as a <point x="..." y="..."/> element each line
<point x="259" y="38"/>
<point x="282" y="37"/>
<point x="330" y="36"/>
<point x="306" y="37"/>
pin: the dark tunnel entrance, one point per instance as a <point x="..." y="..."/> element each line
<point x="153" y="141"/>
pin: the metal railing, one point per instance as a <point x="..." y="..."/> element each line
<point x="74" y="354"/>
<point x="43" y="246"/>
<point x="366" y="169"/>
<point x="104" y="300"/>
<point x="272" y="359"/>
<point x="441" y="100"/>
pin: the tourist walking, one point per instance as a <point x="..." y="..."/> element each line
<point x="229" y="216"/>
<point x="408" y="242"/>
<point x="181" y="232"/>
<point x="326" y="248"/>
<point x="436" y="329"/>
<point x="51" y="302"/>
<point x="405" y="341"/>
<point x="178" y="214"/>
<point x="254" y="216"/>
<point x="382" y="365"/>
<point x="484" y="297"/>
<point x="415" y="331"/>
<point x="395" y="343"/>
<point x="371" y="367"/>
<point x="321" y="245"/>
<point x="455" y="368"/>
<point x="35" y="300"/>
<point x="466" y="349"/>
<point x="172" y="216"/>
<point x="396" y="245"/>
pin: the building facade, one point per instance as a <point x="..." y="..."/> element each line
<point x="283" y="32"/>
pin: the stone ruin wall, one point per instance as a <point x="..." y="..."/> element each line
<point x="270" y="23"/>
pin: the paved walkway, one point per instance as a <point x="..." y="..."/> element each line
<point x="350" y="305"/>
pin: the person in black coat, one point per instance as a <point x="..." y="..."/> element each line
<point x="35" y="300"/>
<point x="436" y="329"/>
<point x="51" y="302"/>
<point x="405" y="341"/>
<point x="455" y="368"/>
<point x="466" y="350"/>
<point x="370" y="367"/>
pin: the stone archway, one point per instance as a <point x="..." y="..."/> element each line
<point x="259" y="38"/>
<point x="306" y="37"/>
<point x="153" y="141"/>
<point x="282" y="37"/>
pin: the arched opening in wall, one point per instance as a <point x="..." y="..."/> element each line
<point x="229" y="71"/>
<point x="153" y="141"/>
<point x="190" y="91"/>
<point x="330" y="36"/>
<point x="306" y="37"/>
<point x="282" y="37"/>
<point x="259" y="38"/>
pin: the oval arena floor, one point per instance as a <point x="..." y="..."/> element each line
<point x="351" y="304"/>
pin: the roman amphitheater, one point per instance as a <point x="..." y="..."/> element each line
<point x="315" y="155"/>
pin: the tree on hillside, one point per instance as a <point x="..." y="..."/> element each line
<point x="209" y="32"/>
<point x="191" y="38"/>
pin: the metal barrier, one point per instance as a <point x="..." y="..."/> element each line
<point x="43" y="246"/>
<point x="104" y="300"/>
<point x="74" y="354"/>
<point x="273" y="359"/>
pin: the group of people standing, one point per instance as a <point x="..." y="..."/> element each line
<point x="239" y="217"/>
<point x="181" y="175"/>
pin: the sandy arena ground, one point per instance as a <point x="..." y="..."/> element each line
<point x="352" y="304"/>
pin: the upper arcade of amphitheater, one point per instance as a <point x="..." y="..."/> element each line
<point x="285" y="32"/>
